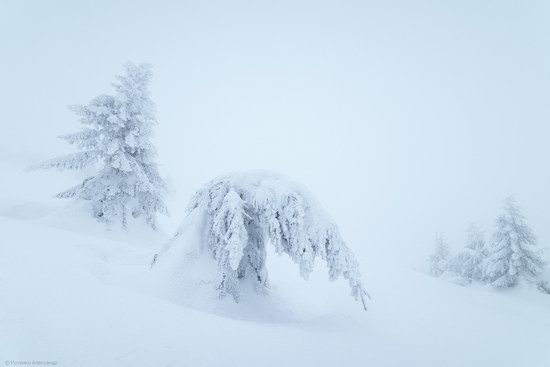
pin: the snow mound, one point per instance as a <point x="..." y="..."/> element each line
<point x="86" y="299"/>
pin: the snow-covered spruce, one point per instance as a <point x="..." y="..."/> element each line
<point x="241" y="213"/>
<point x="439" y="260"/>
<point x="117" y="133"/>
<point x="468" y="263"/>
<point x="513" y="253"/>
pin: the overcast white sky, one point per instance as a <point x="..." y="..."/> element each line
<point x="404" y="118"/>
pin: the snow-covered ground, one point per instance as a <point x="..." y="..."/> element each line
<point x="74" y="293"/>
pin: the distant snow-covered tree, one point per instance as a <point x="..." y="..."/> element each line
<point x="242" y="213"/>
<point x="513" y="253"/>
<point x="117" y="133"/>
<point x="468" y="263"/>
<point x="439" y="260"/>
<point x="476" y="239"/>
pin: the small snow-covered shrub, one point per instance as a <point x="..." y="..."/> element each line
<point x="468" y="263"/>
<point x="242" y="213"/>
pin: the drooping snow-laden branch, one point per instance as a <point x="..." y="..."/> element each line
<point x="245" y="212"/>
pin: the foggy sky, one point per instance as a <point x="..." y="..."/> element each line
<point x="404" y="118"/>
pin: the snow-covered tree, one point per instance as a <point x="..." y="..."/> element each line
<point x="229" y="239"/>
<point x="116" y="133"/>
<point x="476" y="239"/>
<point x="468" y="263"/>
<point x="513" y="253"/>
<point x="242" y="213"/>
<point x="439" y="260"/>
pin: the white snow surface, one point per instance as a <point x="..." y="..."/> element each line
<point x="74" y="293"/>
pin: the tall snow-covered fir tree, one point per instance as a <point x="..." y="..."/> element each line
<point x="513" y="252"/>
<point x="116" y="133"/>
<point x="439" y="260"/>
<point x="239" y="215"/>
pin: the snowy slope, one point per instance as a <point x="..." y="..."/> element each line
<point x="74" y="293"/>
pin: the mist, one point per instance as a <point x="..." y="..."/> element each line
<point x="403" y="118"/>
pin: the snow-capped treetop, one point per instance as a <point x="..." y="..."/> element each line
<point x="137" y="108"/>
<point x="513" y="252"/>
<point x="117" y="132"/>
<point x="245" y="211"/>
